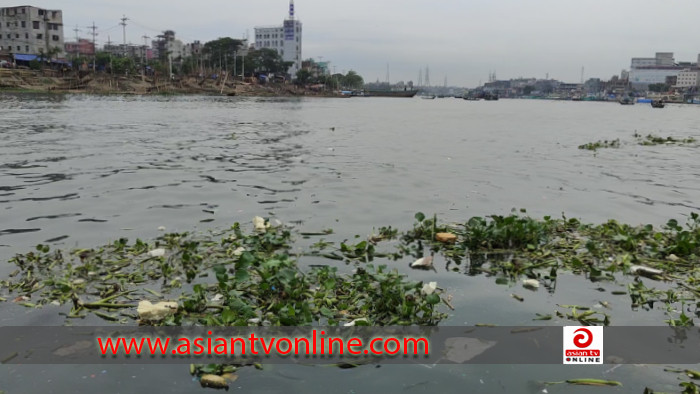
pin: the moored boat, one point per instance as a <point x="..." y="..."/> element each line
<point x="627" y="101"/>
<point x="657" y="103"/>
<point x="390" y="93"/>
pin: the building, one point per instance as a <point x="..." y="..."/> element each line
<point x="688" y="78"/>
<point x="136" y="52"/>
<point x="285" y="39"/>
<point x="647" y="71"/>
<point x="30" y="30"/>
<point x="167" y="47"/>
<point x="81" y="48"/>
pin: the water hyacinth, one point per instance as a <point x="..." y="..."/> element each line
<point x="157" y="252"/>
<point x="429" y="288"/>
<point x="260" y="225"/>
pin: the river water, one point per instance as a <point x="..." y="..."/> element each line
<point x="85" y="170"/>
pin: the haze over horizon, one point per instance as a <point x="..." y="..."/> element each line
<point x="463" y="41"/>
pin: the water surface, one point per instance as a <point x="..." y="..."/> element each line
<point x="85" y="170"/>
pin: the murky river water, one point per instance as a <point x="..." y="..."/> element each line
<point x="82" y="170"/>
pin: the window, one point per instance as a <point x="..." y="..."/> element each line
<point x="16" y="35"/>
<point x="24" y="11"/>
<point x="41" y="12"/>
<point x="26" y="36"/>
<point x="18" y="48"/>
<point x="39" y="36"/>
<point x="54" y="37"/>
<point x="35" y="24"/>
<point x="26" y="47"/>
<point x="24" y="24"/>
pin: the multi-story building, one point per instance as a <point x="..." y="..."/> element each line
<point x="285" y="39"/>
<point x="647" y="71"/>
<point x="167" y="47"/>
<point x="136" y="52"/>
<point x="82" y="47"/>
<point x="688" y="78"/>
<point x="31" y="30"/>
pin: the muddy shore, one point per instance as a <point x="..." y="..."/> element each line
<point x="22" y="80"/>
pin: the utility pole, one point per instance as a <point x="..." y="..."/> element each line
<point x="94" y="48"/>
<point x="143" y="66"/>
<point x="109" y="44"/>
<point x="123" y="23"/>
<point x="77" y="43"/>
<point x="145" y="46"/>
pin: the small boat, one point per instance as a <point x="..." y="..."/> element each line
<point x="657" y="103"/>
<point x="627" y="101"/>
<point x="428" y="97"/>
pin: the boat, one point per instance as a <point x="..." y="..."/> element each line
<point x="657" y="103"/>
<point x="390" y="93"/>
<point x="428" y="97"/>
<point x="627" y="101"/>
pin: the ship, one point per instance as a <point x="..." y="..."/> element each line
<point x="390" y="93"/>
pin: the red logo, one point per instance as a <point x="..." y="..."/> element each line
<point x="580" y="338"/>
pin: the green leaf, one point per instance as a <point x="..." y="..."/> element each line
<point x="432" y="299"/>
<point x="242" y="275"/>
<point x="326" y="312"/>
<point x="419" y="216"/>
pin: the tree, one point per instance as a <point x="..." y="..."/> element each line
<point x="221" y="51"/>
<point x="267" y="60"/>
<point x="122" y="65"/>
<point x="353" y="80"/>
<point x="303" y="76"/>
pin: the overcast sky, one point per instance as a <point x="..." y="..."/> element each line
<point x="462" y="40"/>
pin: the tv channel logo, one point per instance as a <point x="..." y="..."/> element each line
<point x="583" y="345"/>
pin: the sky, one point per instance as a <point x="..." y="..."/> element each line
<point x="462" y="41"/>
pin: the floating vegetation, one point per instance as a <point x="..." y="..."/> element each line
<point x="256" y="279"/>
<point x="601" y="144"/>
<point x="258" y="276"/>
<point x="651" y="139"/>
<point x="647" y="140"/>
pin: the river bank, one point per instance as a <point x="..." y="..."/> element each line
<point x="42" y="81"/>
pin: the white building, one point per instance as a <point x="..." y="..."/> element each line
<point x="285" y="39"/>
<point x="647" y="71"/>
<point x="31" y="31"/>
<point x="688" y="78"/>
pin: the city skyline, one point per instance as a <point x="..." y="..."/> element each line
<point x="462" y="41"/>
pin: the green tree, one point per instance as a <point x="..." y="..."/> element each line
<point x="353" y="80"/>
<point x="267" y="60"/>
<point x="303" y="77"/>
<point x="122" y="65"/>
<point x="220" y="52"/>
